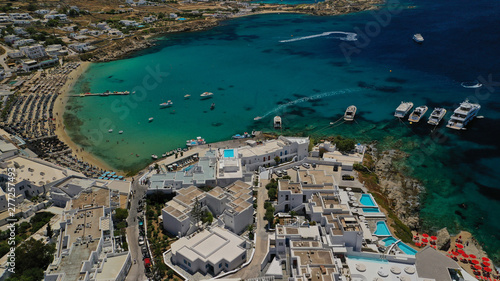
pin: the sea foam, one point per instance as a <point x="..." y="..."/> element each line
<point x="347" y="36"/>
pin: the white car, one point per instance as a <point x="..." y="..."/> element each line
<point x="296" y="168"/>
<point x="141" y="240"/>
<point x="306" y="165"/>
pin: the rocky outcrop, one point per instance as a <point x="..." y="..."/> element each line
<point x="401" y="191"/>
<point x="443" y="239"/>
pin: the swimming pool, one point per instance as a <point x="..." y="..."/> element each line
<point x="389" y="240"/>
<point x="407" y="249"/>
<point x="371" y="210"/>
<point x="366" y="200"/>
<point x="228" y="153"/>
<point x="368" y="259"/>
<point x="382" y="229"/>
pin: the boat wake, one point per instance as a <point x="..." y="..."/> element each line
<point x="305" y="99"/>
<point x="346" y="36"/>
<point x="472" y="85"/>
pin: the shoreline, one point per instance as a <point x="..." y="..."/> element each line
<point x="60" y="131"/>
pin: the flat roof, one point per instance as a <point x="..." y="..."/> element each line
<point x="313" y="257"/>
<point x="111" y="268"/>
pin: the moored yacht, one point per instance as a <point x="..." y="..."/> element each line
<point x="463" y="115"/>
<point x="150" y="119"/>
<point x="206" y="95"/>
<point x="277" y="122"/>
<point x="417" y="113"/>
<point x="418" y="38"/>
<point x="197" y="141"/>
<point x="437" y="114"/>
<point x="349" y="113"/>
<point x="154" y="156"/>
<point x="403" y="109"/>
<point x="166" y="104"/>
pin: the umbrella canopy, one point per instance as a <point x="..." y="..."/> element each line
<point x="100" y="178"/>
<point x="486" y="263"/>
<point x="487" y="269"/>
<point x="465" y="255"/>
<point x="417" y="244"/>
<point x="460" y="246"/>
<point x="425" y="235"/>
<point x="455" y="253"/>
<point x="472" y="256"/>
<point x="477" y="266"/>
<point x="434" y="238"/>
<point x="425" y="240"/>
<point x="461" y="251"/>
<point x="485" y="259"/>
<point x="476" y="262"/>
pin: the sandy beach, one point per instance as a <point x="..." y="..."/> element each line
<point x="60" y="131"/>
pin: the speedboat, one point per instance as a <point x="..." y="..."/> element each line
<point x="166" y="104"/>
<point x="471" y="85"/>
<point x="257" y="118"/>
<point x="277" y="122"/>
<point x="437" y="114"/>
<point x="150" y="119"/>
<point x="349" y="113"/>
<point x="403" y="109"/>
<point x="463" y="115"/>
<point x="245" y="135"/>
<point x="417" y="113"/>
<point x="186" y="96"/>
<point x="154" y="156"/>
<point x="206" y="95"/>
<point x="120" y="132"/>
<point x="110" y="130"/>
<point x="418" y="38"/>
<point x="197" y="141"/>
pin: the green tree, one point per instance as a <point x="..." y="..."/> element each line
<point x="170" y="274"/>
<point x="49" y="231"/>
<point x="52" y="23"/>
<point x="277" y="159"/>
<point x="196" y="212"/>
<point x="208" y="217"/>
<point x="293" y="214"/>
<point x="32" y="258"/>
<point x="272" y="192"/>
<point x="121" y="214"/>
<point x="345" y="145"/>
<point x="269" y="216"/>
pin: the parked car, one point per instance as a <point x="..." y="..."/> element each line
<point x="141" y="240"/>
<point x="296" y="168"/>
<point x="144" y="250"/>
<point x="347" y="177"/>
<point x="313" y="165"/>
<point x="285" y="173"/>
<point x="306" y="165"/>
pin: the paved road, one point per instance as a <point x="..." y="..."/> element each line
<point x="253" y="269"/>
<point x="136" y="272"/>
<point x="3" y="57"/>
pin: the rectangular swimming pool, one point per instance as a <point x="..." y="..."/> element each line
<point x="402" y="246"/>
<point x="389" y="240"/>
<point x="366" y="200"/>
<point x="371" y="210"/>
<point x="382" y="229"/>
<point x="228" y="153"/>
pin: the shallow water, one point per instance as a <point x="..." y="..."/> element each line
<point x="310" y="83"/>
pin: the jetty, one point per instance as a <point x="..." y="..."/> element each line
<point x="107" y="93"/>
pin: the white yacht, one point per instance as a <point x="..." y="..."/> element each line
<point x="403" y="109"/>
<point x="150" y="119"/>
<point x="154" y="156"/>
<point x="166" y="104"/>
<point x="120" y="132"/>
<point x="206" y="95"/>
<point x="418" y="38"/>
<point x="110" y="130"/>
<point x="349" y="113"/>
<point x="437" y="114"/>
<point x="463" y="115"/>
<point x="417" y="113"/>
<point x="277" y="122"/>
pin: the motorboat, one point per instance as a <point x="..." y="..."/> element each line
<point x="403" y="109"/>
<point x="349" y="113"/>
<point x="471" y="85"/>
<point x="463" y="115"/>
<point x="243" y="136"/>
<point x="186" y="96"/>
<point x="418" y="38"/>
<point x="206" y="95"/>
<point x="110" y="130"/>
<point x="120" y="132"/>
<point x="277" y="122"/>
<point x="196" y="142"/>
<point x="154" y="156"/>
<point x="417" y="114"/>
<point x="166" y="104"/>
<point x="212" y="106"/>
<point x="437" y="114"/>
<point x="257" y="118"/>
<point x="150" y="119"/>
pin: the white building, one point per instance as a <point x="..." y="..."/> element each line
<point x="149" y="19"/>
<point x="34" y="52"/>
<point x="233" y="205"/>
<point x="103" y="26"/>
<point x="115" y="32"/>
<point x="10" y="38"/>
<point x="129" y="23"/>
<point x="23" y="42"/>
<point x="61" y="17"/>
<point x="15" y="54"/>
<point x="210" y="251"/>
<point x="260" y="154"/>
<point x="42" y="11"/>
<point x="81" y="47"/>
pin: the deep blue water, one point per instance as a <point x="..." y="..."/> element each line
<point x="252" y="73"/>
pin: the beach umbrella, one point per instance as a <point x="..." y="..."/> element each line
<point x="487" y="269"/>
<point x="461" y="251"/>
<point x="477" y="266"/>
<point x="434" y="238"/>
<point x="425" y="240"/>
<point x="465" y="255"/>
<point x="417" y="244"/>
<point x="485" y="259"/>
<point x="486" y="263"/>
<point x="460" y="246"/>
<point x="100" y="178"/>
<point x="476" y="262"/>
<point x="455" y="253"/>
<point x="472" y="256"/>
<point x="425" y="235"/>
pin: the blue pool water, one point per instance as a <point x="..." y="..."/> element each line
<point x="228" y="153"/>
<point x="389" y="240"/>
<point x="188" y="168"/>
<point x="371" y="210"/>
<point x="382" y="229"/>
<point x="367" y="200"/>
<point x="368" y="259"/>
<point x="407" y="249"/>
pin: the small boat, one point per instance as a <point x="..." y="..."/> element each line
<point x="437" y="114"/>
<point x="403" y="109"/>
<point x="150" y="119"/>
<point x="417" y="113"/>
<point x="197" y="141"/>
<point x="166" y="104"/>
<point x="257" y="118"/>
<point x="186" y="96"/>
<point x="463" y="115"/>
<point x="206" y="95"/>
<point x="110" y="130"/>
<point x="154" y="156"/>
<point x="244" y="136"/>
<point x="471" y="85"/>
<point x="164" y="155"/>
<point x="120" y="132"/>
<point x="277" y="122"/>
<point x="212" y="106"/>
<point x="418" y="38"/>
<point x="349" y="113"/>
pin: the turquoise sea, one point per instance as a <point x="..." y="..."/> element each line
<point x="308" y="80"/>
